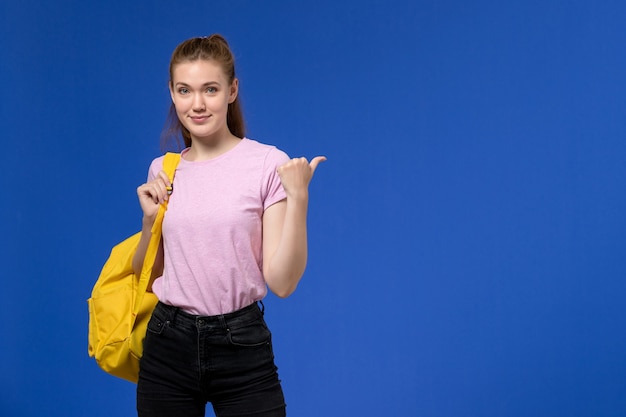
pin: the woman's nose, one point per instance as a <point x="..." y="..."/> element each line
<point x="198" y="103"/>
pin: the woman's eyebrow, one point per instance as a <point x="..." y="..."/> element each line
<point x="208" y="83"/>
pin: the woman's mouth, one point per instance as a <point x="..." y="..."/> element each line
<point x="199" y="119"/>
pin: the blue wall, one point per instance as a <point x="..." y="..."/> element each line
<point x="467" y="233"/>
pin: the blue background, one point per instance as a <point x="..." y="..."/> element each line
<point x="467" y="232"/>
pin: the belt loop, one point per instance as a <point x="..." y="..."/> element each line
<point x="262" y="307"/>
<point x="174" y="314"/>
<point x="223" y="322"/>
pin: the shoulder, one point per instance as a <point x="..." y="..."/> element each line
<point x="155" y="166"/>
<point x="270" y="153"/>
<point x="157" y="162"/>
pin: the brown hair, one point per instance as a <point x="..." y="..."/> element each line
<point x="210" y="48"/>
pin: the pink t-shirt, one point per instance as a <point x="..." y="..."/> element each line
<point x="212" y="230"/>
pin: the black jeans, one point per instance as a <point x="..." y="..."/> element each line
<point x="226" y="360"/>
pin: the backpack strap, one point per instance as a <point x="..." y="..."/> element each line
<point x="170" y="162"/>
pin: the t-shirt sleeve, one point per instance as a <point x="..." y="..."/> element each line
<point x="274" y="191"/>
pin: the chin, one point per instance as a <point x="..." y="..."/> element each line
<point x="203" y="135"/>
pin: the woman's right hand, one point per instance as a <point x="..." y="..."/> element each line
<point x="152" y="194"/>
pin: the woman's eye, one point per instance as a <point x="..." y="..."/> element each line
<point x="211" y="90"/>
<point x="183" y="90"/>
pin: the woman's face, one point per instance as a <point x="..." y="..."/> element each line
<point x="201" y="93"/>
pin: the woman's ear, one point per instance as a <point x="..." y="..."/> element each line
<point x="234" y="90"/>
<point x="171" y="90"/>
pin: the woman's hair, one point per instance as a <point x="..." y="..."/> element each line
<point x="209" y="48"/>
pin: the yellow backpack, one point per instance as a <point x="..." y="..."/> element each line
<point x="121" y="305"/>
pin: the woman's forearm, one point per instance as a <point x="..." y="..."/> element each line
<point x="288" y="262"/>
<point x="142" y="248"/>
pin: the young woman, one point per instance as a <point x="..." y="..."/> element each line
<point x="235" y="225"/>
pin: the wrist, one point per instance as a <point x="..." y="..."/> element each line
<point x="300" y="196"/>
<point x="147" y="221"/>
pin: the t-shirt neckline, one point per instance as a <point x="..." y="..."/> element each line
<point x="211" y="160"/>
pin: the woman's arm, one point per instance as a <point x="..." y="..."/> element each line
<point x="151" y="195"/>
<point x="142" y="248"/>
<point x="284" y="228"/>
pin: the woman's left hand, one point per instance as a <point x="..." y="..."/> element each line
<point x="296" y="175"/>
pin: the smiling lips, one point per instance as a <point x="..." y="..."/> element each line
<point x="199" y="119"/>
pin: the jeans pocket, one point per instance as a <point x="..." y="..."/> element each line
<point x="157" y="324"/>
<point x="255" y="333"/>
